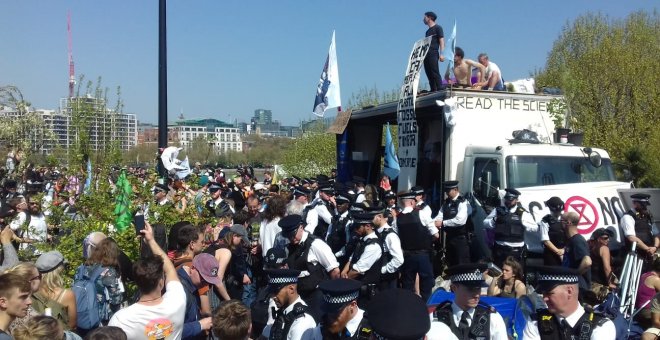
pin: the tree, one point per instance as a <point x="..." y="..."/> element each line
<point x="608" y="71"/>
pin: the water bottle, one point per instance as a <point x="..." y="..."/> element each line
<point x="494" y="270"/>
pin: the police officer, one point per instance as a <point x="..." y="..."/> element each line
<point x="425" y="213"/>
<point x="392" y="253"/>
<point x="510" y="222"/>
<point x="337" y="232"/>
<point x="342" y="318"/>
<point x="638" y="226"/>
<point x="260" y="310"/>
<point x="324" y="206"/>
<point x="217" y="205"/>
<point x="291" y="320"/>
<point x="453" y="219"/>
<point x="390" y="203"/>
<point x="466" y="318"/>
<point x="416" y="242"/>
<point x="552" y="233"/>
<point x="312" y="257"/>
<point x="398" y="314"/>
<point x="565" y="318"/>
<point x="365" y="262"/>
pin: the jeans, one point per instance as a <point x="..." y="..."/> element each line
<point x="249" y="291"/>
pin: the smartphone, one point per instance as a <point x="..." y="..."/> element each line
<point x="138" y="220"/>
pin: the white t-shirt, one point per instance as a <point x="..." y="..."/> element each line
<point x="267" y="233"/>
<point x="161" y="321"/>
<point x="37" y="229"/>
<point x="491" y="68"/>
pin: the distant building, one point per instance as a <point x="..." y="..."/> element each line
<point x="262" y="116"/>
<point x="325" y="123"/>
<point x="224" y="137"/>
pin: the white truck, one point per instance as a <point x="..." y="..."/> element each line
<point x="466" y="135"/>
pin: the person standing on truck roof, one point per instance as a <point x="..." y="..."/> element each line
<point x="638" y="227"/>
<point x="416" y="243"/>
<point x="552" y="233"/>
<point x="453" y="219"/>
<point x="463" y="70"/>
<point x="493" y="76"/>
<point x="510" y="222"/>
<point x="438" y="41"/>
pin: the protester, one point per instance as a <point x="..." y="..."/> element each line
<point x="269" y="228"/>
<point x="109" y="287"/>
<point x="202" y="272"/>
<point x="510" y="284"/>
<point x="601" y="263"/>
<point x="42" y="327"/>
<point x="155" y="314"/>
<point x="10" y="257"/>
<point x="231" y="321"/>
<point x="106" y="333"/>
<point x="649" y="286"/>
<point x="29" y="272"/>
<point x="230" y="285"/>
<point x="14" y="301"/>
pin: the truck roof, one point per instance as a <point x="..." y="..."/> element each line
<point x="522" y="149"/>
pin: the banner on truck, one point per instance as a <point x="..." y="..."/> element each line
<point x="406" y="118"/>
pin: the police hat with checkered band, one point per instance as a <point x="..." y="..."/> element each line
<point x="548" y="277"/>
<point x="301" y="191"/>
<point x="398" y="314"/>
<point x="278" y="278"/>
<point x="342" y="198"/>
<point x="469" y="274"/>
<point x="338" y="293"/>
<point x="642" y="198"/>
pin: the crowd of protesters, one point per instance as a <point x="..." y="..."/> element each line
<point x="212" y="279"/>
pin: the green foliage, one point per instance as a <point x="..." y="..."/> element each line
<point x="557" y="108"/>
<point x="311" y="154"/>
<point x="371" y="97"/>
<point x="608" y="71"/>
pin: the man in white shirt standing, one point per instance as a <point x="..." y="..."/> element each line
<point x="30" y="223"/>
<point x="154" y="315"/>
<point x="392" y="252"/>
<point x="565" y="318"/>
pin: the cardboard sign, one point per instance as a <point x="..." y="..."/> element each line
<point x="340" y="123"/>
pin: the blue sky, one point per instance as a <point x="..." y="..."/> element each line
<point x="228" y="58"/>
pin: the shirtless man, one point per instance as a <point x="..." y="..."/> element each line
<point x="463" y="70"/>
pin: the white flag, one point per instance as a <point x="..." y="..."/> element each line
<point x="327" y="92"/>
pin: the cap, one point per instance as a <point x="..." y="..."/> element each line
<point x="301" y="191"/>
<point x="322" y="178"/>
<point x="161" y="187"/>
<point x="49" y="261"/>
<point x="342" y="198"/>
<point x="417" y="190"/>
<point x="448" y="185"/>
<point x="407" y="195"/>
<point x="203" y="180"/>
<point x="389" y="194"/>
<point x="207" y="266"/>
<point x="275" y="257"/>
<point x="642" y="198"/>
<point x="511" y="193"/>
<point x="398" y="314"/>
<point x="555" y="203"/>
<point x="362" y="217"/>
<point x="290" y="224"/>
<point x="306" y="181"/>
<point x="548" y="277"/>
<point x="223" y="232"/>
<point x="278" y="278"/>
<point x="337" y="293"/>
<point x="222" y="209"/>
<point x="296" y="178"/>
<point x="602" y="231"/>
<point x="239" y="229"/>
<point x="214" y="187"/>
<point x="327" y="188"/>
<point x="468" y="274"/>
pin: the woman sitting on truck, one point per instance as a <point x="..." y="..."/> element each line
<point x="509" y="284"/>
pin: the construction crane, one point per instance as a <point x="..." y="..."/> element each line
<point x="72" y="76"/>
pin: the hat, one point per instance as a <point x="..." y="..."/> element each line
<point x="207" y="266"/>
<point x="642" y="198"/>
<point x="337" y="293"/>
<point x="548" y="277"/>
<point x="333" y="170"/>
<point x="322" y="178"/>
<point x="327" y="188"/>
<point x="301" y="191"/>
<point x="398" y="314"/>
<point x="468" y="274"/>
<point x="555" y="203"/>
<point x="239" y="229"/>
<point x="296" y="178"/>
<point x="290" y="224"/>
<point x="342" y="198"/>
<point x="407" y="195"/>
<point x="258" y="186"/>
<point x="389" y="194"/>
<point x="214" y="187"/>
<point x="602" y="231"/>
<point x="362" y="218"/>
<point x="278" y="278"/>
<point x="49" y="261"/>
<point x="417" y="190"/>
<point x="275" y="257"/>
<point x="161" y="187"/>
<point x="203" y="180"/>
<point x="448" y="185"/>
<point x="511" y="194"/>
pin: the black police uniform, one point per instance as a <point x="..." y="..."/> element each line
<point x="458" y="237"/>
<point x="557" y="236"/>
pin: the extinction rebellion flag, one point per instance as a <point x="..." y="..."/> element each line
<point x="327" y="92"/>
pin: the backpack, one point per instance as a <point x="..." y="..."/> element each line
<point x="87" y="305"/>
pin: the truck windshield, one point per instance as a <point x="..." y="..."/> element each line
<point x="530" y="171"/>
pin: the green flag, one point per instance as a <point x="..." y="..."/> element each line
<point x="124" y="218"/>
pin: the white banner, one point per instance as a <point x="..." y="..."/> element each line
<point x="406" y="118"/>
